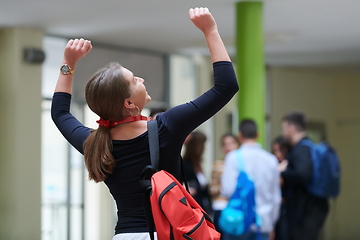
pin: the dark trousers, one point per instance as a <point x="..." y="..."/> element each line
<point x="216" y="222"/>
<point x="248" y="236"/>
<point x="311" y="223"/>
<point x="281" y="227"/>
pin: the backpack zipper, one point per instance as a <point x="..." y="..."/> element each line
<point x="168" y="188"/>
<point x="208" y="218"/>
<point x="171" y="233"/>
<point x="186" y="235"/>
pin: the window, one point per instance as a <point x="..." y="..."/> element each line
<point x="62" y="165"/>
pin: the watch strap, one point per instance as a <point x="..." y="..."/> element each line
<point x="68" y="71"/>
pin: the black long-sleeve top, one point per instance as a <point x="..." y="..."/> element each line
<point x="132" y="155"/>
<point x="298" y="201"/>
<point x="299" y="171"/>
<point x="296" y="177"/>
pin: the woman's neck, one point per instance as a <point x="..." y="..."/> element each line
<point x="129" y="130"/>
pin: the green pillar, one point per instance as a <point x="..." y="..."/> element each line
<point x="250" y="63"/>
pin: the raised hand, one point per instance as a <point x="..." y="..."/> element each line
<point x="202" y="19"/>
<point x="76" y="49"/>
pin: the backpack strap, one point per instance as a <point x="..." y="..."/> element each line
<point x="153" y="132"/>
<point x="153" y="136"/>
<point x="183" y="175"/>
<point x="148" y="213"/>
<point x="307" y="142"/>
<point x="240" y="160"/>
<point x="149" y="170"/>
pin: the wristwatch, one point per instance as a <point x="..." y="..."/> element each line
<point x="66" y="70"/>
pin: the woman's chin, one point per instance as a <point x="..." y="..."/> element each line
<point x="148" y="99"/>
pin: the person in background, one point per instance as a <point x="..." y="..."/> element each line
<point x="305" y="213"/>
<point x="199" y="187"/>
<point x="261" y="167"/>
<point x="228" y="143"/>
<point x="281" y="149"/>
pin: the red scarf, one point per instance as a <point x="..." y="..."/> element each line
<point x="110" y="124"/>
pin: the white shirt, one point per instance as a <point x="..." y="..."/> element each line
<point x="261" y="167"/>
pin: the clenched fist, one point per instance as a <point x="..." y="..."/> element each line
<point x="202" y="19"/>
<point x="76" y="49"/>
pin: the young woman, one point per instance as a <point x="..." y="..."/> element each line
<point x="193" y="156"/>
<point x="281" y="149"/>
<point x="118" y="150"/>
<point x="228" y="143"/>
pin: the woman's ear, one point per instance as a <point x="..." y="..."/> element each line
<point x="129" y="104"/>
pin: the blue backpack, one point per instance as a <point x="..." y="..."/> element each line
<point x="239" y="214"/>
<point x="325" y="180"/>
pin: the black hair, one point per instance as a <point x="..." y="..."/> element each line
<point x="283" y="144"/>
<point x="228" y="135"/>
<point x="297" y="119"/>
<point x="248" y="129"/>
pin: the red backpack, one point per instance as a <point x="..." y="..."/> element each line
<point x="168" y="205"/>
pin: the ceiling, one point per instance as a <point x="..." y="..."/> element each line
<point x="297" y="32"/>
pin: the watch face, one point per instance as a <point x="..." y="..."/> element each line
<point x="65" y="69"/>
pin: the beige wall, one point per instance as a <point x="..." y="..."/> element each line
<point x="20" y="142"/>
<point x="329" y="95"/>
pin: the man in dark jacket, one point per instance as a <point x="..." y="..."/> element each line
<point x="306" y="213"/>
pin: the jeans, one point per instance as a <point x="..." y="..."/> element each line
<point x="247" y="236"/>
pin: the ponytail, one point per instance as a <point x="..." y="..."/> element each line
<point x="105" y="95"/>
<point x="97" y="154"/>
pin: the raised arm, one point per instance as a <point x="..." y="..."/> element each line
<point x="74" y="50"/>
<point x="203" y="20"/>
<point x="183" y="119"/>
<point x="73" y="130"/>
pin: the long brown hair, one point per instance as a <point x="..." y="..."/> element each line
<point x="194" y="149"/>
<point x="105" y="94"/>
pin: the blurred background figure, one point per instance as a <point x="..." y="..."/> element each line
<point x="261" y="167"/>
<point x="228" y="143"/>
<point x="305" y="212"/>
<point x="193" y="156"/>
<point x="281" y="149"/>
